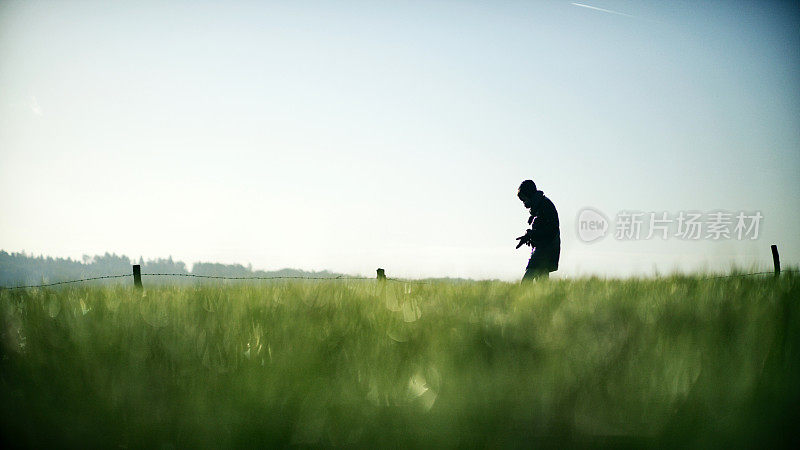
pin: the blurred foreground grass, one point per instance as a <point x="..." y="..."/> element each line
<point x="668" y="362"/>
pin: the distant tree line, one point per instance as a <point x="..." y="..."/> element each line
<point x="22" y="269"/>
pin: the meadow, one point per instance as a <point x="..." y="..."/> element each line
<point x="670" y="362"/>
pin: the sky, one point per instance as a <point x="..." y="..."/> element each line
<point x="352" y="135"/>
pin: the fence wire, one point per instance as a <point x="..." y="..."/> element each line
<point x="340" y="277"/>
<point x="771" y="272"/>
<point x="65" y="282"/>
<point x="214" y="277"/>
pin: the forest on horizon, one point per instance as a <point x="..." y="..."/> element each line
<point x="19" y="268"/>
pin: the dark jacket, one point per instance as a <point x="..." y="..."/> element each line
<point x="544" y="233"/>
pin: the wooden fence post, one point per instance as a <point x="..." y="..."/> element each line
<point x="776" y="260"/>
<point x="137" y="276"/>
<point x="381" y="275"/>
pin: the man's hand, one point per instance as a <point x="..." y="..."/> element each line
<point x="523" y="240"/>
<point x="527" y="239"/>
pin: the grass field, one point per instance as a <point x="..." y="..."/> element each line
<point x="676" y="361"/>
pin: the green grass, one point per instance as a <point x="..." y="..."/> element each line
<point x="667" y="362"/>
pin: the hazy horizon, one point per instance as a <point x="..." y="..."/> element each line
<point x="352" y="135"/>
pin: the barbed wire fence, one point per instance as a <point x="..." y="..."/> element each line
<point x="738" y="275"/>
<point x="64" y="282"/>
<point x="381" y="276"/>
<point x="214" y="277"/>
<point x="338" y="278"/>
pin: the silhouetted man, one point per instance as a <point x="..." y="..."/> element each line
<point x="544" y="235"/>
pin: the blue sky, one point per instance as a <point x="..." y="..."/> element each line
<point x="354" y="135"/>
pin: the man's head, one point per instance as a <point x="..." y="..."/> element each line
<point x="527" y="192"/>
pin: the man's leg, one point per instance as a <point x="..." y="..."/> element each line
<point x="535" y="271"/>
